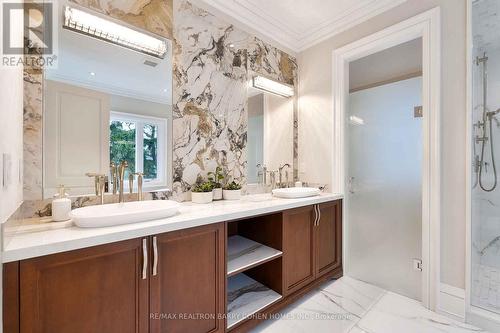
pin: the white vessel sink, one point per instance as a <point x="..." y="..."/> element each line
<point x="123" y="213"/>
<point x="296" y="192"/>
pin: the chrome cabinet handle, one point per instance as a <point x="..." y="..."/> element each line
<point x="319" y="213"/>
<point x="155" y="256"/>
<point x="144" y="259"/>
<point x="315" y="215"/>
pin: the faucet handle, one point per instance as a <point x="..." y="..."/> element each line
<point x="98" y="179"/>
<point x="140" y="177"/>
<point x="131" y="183"/>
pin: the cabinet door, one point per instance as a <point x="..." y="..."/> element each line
<point x="298" y="248"/>
<point x="99" y="289"/>
<point x="188" y="287"/>
<point x="329" y="237"/>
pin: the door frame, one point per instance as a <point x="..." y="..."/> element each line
<point x="427" y="26"/>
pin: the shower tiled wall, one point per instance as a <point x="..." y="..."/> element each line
<point x="486" y="204"/>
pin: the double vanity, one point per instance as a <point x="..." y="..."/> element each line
<point x="210" y="268"/>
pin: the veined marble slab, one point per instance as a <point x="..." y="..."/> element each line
<point x="245" y="296"/>
<point x="486" y="288"/>
<point x="335" y="307"/>
<point x="395" y="314"/>
<point x="243" y="253"/>
<point x="347" y="305"/>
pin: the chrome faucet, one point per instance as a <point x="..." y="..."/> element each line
<point x="121" y="174"/>
<point x="99" y="184"/>
<point x="280" y="175"/>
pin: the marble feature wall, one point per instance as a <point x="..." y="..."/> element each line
<point x="213" y="62"/>
<point x="33" y="134"/>
<point x="151" y="15"/>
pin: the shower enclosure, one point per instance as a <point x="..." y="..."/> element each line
<point x="485" y="151"/>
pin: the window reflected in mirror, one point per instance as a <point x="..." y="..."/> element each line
<point x="114" y="104"/>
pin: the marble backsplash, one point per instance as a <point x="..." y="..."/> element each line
<point x="213" y="62"/>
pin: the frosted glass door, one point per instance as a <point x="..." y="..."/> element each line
<point x="384" y="176"/>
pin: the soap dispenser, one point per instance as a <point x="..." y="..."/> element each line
<point x="61" y="206"/>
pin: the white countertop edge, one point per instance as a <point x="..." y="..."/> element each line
<point x="34" y="245"/>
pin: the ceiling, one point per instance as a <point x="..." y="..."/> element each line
<point x="396" y="63"/>
<point x="105" y="67"/>
<point x="299" y="24"/>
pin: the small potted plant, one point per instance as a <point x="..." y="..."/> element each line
<point x="216" y="179"/>
<point x="202" y="193"/>
<point x="232" y="191"/>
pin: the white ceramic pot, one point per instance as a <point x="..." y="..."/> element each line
<point x="231" y="194"/>
<point x="217" y="193"/>
<point x="202" y="197"/>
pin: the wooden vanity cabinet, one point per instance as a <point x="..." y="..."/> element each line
<point x="99" y="289"/>
<point x="328" y="237"/>
<point x="111" y="288"/>
<point x="312" y="242"/>
<point x="298" y="248"/>
<point x="189" y="281"/>
<point x="171" y="282"/>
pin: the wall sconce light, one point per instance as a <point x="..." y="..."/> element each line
<point x="273" y="87"/>
<point x="100" y="28"/>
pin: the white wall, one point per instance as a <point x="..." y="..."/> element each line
<point x="316" y="127"/>
<point x="11" y="138"/>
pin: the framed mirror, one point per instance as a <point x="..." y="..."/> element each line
<point x="108" y="100"/>
<point x="270" y="133"/>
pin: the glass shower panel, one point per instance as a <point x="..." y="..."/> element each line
<point x="485" y="286"/>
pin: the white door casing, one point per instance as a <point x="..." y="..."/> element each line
<point x="428" y="27"/>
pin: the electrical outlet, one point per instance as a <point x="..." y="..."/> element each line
<point x="418" y="111"/>
<point x="417" y="265"/>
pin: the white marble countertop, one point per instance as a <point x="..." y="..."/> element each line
<point x="19" y="246"/>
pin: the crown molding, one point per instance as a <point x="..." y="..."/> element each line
<point x="285" y="33"/>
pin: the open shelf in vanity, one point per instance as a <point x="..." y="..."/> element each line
<point x="254" y="266"/>
<point x="244" y="253"/>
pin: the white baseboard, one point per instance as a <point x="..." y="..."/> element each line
<point x="452" y="302"/>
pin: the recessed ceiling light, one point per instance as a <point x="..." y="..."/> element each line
<point x="165" y="90"/>
<point x="92" y="73"/>
<point x="231" y="45"/>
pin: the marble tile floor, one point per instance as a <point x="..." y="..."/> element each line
<point x="486" y="287"/>
<point x="351" y="306"/>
